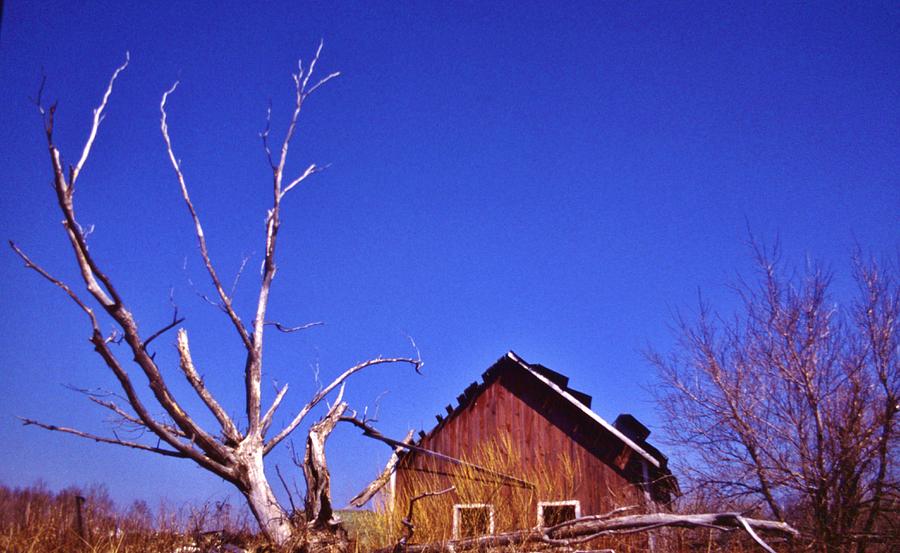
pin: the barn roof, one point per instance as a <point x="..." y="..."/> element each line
<point x="571" y="397"/>
<point x="557" y="383"/>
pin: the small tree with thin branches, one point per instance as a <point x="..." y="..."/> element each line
<point x="791" y="404"/>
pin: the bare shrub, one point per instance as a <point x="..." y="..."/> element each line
<point x="789" y="406"/>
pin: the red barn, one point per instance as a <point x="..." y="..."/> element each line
<point x="558" y="459"/>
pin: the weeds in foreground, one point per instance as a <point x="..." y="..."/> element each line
<point x="513" y="506"/>
<point x="36" y="520"/>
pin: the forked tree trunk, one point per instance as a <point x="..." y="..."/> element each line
<point x="272" y="518"/>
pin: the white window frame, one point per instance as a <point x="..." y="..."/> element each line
<point x="542" y="504"/>
<point x="460" y="506"/>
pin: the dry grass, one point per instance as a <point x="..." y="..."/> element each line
<point x="36" y="520"/>
<point x="515" y="506"/>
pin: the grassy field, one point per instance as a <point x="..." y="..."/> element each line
<point x="515" y="507"/>
<point x="35" y="519"/>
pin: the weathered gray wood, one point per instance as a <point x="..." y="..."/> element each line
<point x="382" y="479"/>
<point x="582" y="530"/>
<point x="235" y="452"/>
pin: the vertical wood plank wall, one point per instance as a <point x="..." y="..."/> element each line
<point x="544" y="427"/>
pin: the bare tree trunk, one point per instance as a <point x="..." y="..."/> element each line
<point x="319" y="512"/>
<point x="254" y="485"/>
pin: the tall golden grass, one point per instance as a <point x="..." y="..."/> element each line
<point x="34" y="519"/>
<point x="515" y="507"/>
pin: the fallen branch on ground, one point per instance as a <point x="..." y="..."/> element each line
<point x="584" y="529"/>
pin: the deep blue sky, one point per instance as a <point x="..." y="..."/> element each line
<point x="552" y="180"/>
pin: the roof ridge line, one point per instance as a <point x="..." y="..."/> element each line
<point x="590" y="412"/>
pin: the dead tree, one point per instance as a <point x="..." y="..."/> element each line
<point x="236" y="450"/>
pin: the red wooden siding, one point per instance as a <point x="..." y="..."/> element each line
<point x="544" y="428"/>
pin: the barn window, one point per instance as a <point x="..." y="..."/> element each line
<point x="551" y="513"/>
<point x="472" y="520"/>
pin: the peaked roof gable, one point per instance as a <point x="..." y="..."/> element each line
<point x="567" y="394"/>
<point x="554" y="383"/>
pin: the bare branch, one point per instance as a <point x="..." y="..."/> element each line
<point x="29" y="264"/>
<point x="781" y="400"/>
<point x="123" y="414"/>
<point x="749" y="529"/>
<point x="267" y="418"/>
<point x="114" y="337"/>
<point x="289" y="329"/>
<point x="111" y="301"/>
<point x="264" y="136"/>
<point x="115" y="441"/>
<point x="323" y="81"/>
<point x="128" y="418"/>
<point x="101" y="345"/>
<point x="176" y="320"/>
<point x="232" y="456"/>
<point x="161" y="393"/>
<point x="131" y="419"/>
<point x="201" y="295"/>
<point x="198" y="228"/>
<point x="416" y="363"/>
<point x="309" y="73"/>
<point x="371" y="432"/>
<point x="312" y="67"/>
<point x="187" y="366"/>
<point x="409" y="527"/>
<point x="418" y="367"/>
<point x="237" y="276"/>
<point x="587" y="529"/>
<point x="379" y="482"/>
<point x="616" y="511"/>
<point x="98" y="117"/>
<point x="38" y="99"/>
<point x="311" y="170"/>
<point x="253" y="366"/>
<point x="287" y="490"/>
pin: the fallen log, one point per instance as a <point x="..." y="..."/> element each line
<point x="585" y="529"/>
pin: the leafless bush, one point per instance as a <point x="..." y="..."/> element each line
<point x="790" y="405"/>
